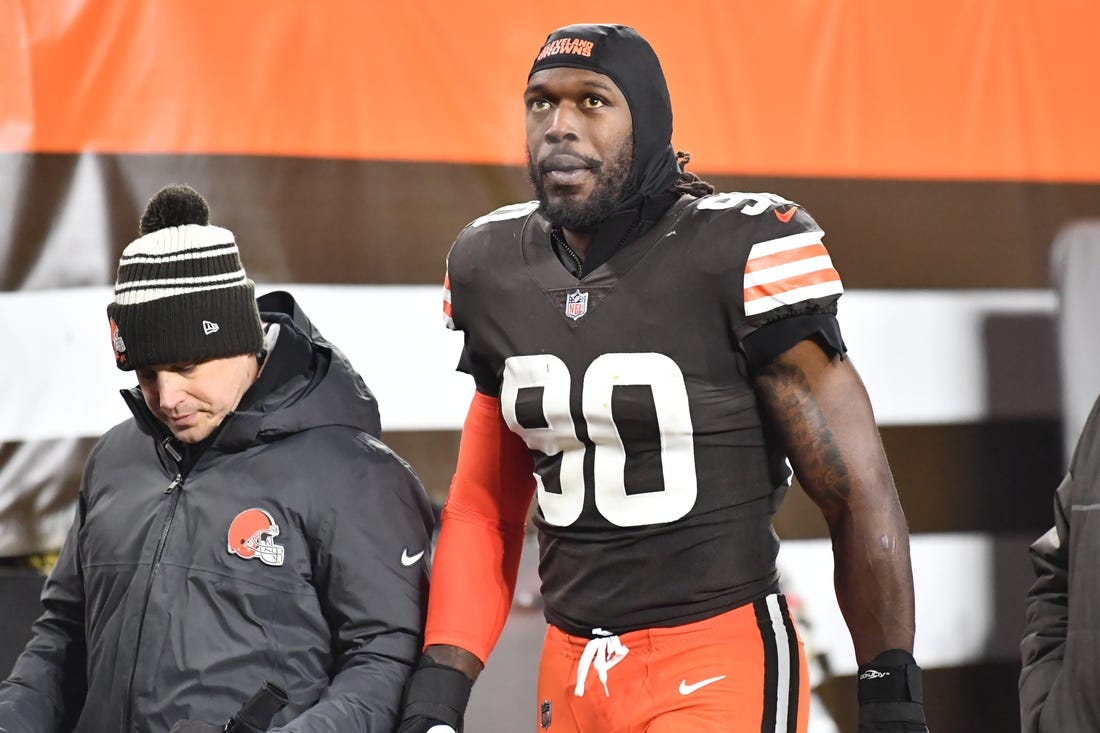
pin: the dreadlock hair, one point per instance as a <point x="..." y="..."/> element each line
<point x="690" y="183"/>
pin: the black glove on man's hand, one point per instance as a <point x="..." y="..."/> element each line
<point x="253" y="717"/>
<point x="242" y="726"/>
<point x="891" y="696"/>
<point x="435" y="696"/>
<point x="194" y="726"/>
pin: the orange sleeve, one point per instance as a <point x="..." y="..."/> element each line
<point x="481" y="536"/>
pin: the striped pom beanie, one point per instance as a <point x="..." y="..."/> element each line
<point x="182" y="295"/>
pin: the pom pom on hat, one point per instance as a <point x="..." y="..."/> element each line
<point x="174" y="206"/>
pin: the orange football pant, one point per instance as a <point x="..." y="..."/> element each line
<point x="743" y="671"/>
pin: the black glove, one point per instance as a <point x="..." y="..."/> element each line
<point x="253" y="717"/>
<point x="891" y="697"/>
<point x="256" y="714"/>
<point x="194" y="726"/>
<point x="240" y="726"/>
<point x="435" y="695"/>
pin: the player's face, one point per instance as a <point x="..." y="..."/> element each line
<point x="192" y="399"/>
<point x="579" y="145"/>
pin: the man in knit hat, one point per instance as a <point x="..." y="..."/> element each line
<point x="651" y="360"/>
<point x="183" y="298"/>
<point x="245" y="526"/>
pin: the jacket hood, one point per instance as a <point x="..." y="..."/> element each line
<point x="329" y="392"/>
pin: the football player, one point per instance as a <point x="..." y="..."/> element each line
<point x="652" y="360"/>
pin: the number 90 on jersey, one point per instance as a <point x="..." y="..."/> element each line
<point x="555" y="434"/>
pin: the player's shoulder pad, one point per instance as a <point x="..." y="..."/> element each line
<point x="511" y="212"/>
<point x="483" y="236"/>
<point x="505" y="222"/>
<point x="777" y="215"/>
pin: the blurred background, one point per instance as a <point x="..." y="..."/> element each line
<point x="946" y="147"/>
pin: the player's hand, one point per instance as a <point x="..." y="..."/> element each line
<point x="891" y="696"/>
<point x="435" y="699"/>
<point x="194" y="726"/>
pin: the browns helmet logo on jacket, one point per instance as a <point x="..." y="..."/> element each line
<point x="252" y="535"/>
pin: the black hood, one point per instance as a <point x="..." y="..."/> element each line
<point x="618" y="52"/>
<point x="621" y="54"/>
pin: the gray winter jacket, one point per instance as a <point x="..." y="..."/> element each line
<point x="1060" y="680"/>
<point x="292" y="549"/>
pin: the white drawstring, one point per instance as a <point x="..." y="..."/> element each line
<point x="603" y="652"/>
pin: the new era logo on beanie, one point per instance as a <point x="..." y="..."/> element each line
<point x="182" y="294"/>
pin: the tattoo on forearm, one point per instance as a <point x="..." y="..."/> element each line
<point x="801" y="422"/>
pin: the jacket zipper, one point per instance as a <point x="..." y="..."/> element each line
<point x="173" y="491"/>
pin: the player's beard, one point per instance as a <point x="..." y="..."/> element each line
<point x="580" y="215"/>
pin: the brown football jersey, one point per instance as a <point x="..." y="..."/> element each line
<point x="657" y="480"/>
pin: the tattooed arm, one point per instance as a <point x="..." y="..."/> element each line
<point x="819" y="408"/>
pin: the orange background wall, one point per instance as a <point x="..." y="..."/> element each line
<point x="941" y="89"/>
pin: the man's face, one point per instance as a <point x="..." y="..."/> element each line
<point x="192" y="399"/>
<point x="579" y="145"/>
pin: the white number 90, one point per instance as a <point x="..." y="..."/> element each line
<point x="612" y="500"/>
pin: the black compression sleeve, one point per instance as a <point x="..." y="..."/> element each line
<point x="772" y="339"/>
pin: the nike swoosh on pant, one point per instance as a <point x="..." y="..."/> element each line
<point x="686" y="689"/>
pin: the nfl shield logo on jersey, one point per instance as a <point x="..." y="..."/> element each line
<point x="576" y="304"/>
<point x="544" y="714"/>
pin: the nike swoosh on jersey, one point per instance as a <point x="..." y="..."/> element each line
<point x="786" y="215"/>
<point x="409" y="560"/>
<point x="789" y="270"/>
<point x="686" y="689"/>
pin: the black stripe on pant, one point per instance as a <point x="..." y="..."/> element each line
<point x="781" y="665"/>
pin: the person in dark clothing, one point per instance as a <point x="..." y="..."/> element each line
<point x="245" y="526"/>
<point x="647" y="355"/>
<point x="1059" y="681"/>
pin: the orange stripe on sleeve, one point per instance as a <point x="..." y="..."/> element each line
<point x="791" y="283"/>
<point x="447" y="299"/>
<point x="756" y="264"/>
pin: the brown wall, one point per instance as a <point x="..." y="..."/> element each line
<point x="369" y="222"/>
